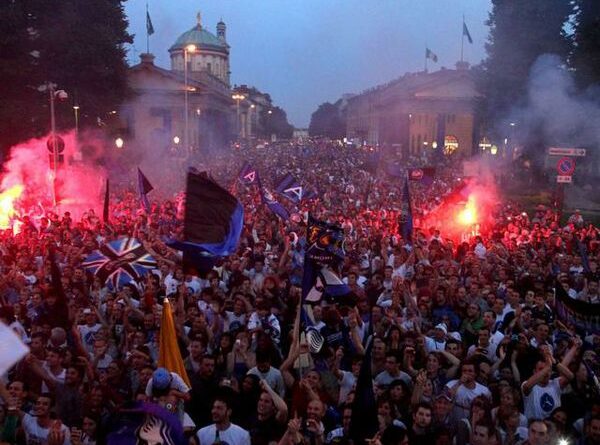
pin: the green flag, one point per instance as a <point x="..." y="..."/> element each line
<point x="149" y="27"/>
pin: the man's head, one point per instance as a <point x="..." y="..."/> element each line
<point x="207" y="366"/>
<point x="422" y="415"/>
<point x="315" y="410"/>
<point x="265" y="407"/>
<point x="42" y="405"/>
<point x="221" y="411"/>
<point x="482" y="434"/>
<point x="592" y="430"/>
<point x="17" y="389"/>
<point x="538" y="432"/>
<point x="392" y="363"/>
<point x="263" y="362"/>
<point x="468" y="372"/>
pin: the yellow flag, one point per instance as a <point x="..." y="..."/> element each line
<point x="169" y="356"/>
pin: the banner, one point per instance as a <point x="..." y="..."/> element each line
<point x="581" y="314"/>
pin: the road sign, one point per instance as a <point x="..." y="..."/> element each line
<point x="563" y="151"/>
<point x="564" y="179"/>
<point x="565" y="166"/>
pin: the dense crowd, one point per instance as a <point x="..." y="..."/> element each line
<point x="465" y="344"/>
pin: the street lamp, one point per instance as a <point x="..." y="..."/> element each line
<point x="186" y="50"/>
<point x="176" y="140"/>
<point x="251" y="119"/>
<point x="76" y="111"/>
<point x="119" y="142"/>
<point x="238" y="97"/>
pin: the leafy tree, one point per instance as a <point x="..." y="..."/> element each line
<point x="585" y="58"/>
<point x="520" y="31"/>
<point x="275" y="122"/>
<point x="76" y="44"/>
<point x="327" y="121"/>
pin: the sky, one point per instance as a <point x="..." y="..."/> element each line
<point x="306" y="52"/>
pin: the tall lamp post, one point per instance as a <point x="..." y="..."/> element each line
<point x="188" y="49"/>
<point x="61" y="95"/>
<point x="238" y="97"/>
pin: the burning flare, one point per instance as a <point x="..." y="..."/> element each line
<point x="468" y="215"/>
<point x="7" y="209"/>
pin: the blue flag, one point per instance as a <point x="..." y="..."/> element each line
<point x="424" y="175"/>
<point x="406" y="219"/>
<point x="144" y="187"/>
<point x="466" y="33"/>
<point x="269" y="200"/>
<point x="247" y="174"/>
<point x="364" y="423"/>
<point x="291" y="188"/>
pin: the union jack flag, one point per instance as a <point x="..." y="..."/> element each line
<point x="120" y="262"/>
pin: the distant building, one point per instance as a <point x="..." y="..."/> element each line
<point x="251" y="108"/>
<point x="300" y="133"/>
<point x="416" y="112"/>
<point x="157" y="115"/>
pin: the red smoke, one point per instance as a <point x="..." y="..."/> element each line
<point x="78" y="186"/>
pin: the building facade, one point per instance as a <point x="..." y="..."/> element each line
<point x="189" y="107"/>
<point x="418" y="111"/>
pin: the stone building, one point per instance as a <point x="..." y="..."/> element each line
<point x="418" y="111"/>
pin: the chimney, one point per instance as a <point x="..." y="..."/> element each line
<point x="221" y="29"/>
<point x="147" y="59"/>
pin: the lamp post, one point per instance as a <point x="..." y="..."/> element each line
<point x="238" y="97"/>
<point x="119" y="142"/>
<point x="251" y="120"/>
<point x="186" y="50"/>
<point x="61" y="95"/>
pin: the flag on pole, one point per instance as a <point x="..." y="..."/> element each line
<point x="364" y="423"/>
<point x="169" y="355"/>
<point x="144" y="187"/>
<point x="12" y="348"/>
<point x="105" y="212"/>
<point x="406" y="219"/>
<point x="430" y="55"/>
<point x="271" y="202"/>
<point x="466" y="33"/>
<point x="149" y="27"/>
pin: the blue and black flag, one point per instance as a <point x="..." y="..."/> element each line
<point x="213" y="223"/>
<point x="292" y="189"/>
<point x="247" y="175"/>
<point x="144" y="187"/>
<point x="364" y="423"/>
<point x="269" y="200"/>
<point x="406" y="218"/>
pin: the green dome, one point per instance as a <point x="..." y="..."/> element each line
<point x="201" y="38"/>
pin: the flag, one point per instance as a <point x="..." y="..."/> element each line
<point x="213" y="220"/>
<point x="291" y="188"/>
<point x="364" y="423"/>
<point x="269" y="200"/>
<point x="149" y="27"/>
<point x="169" y="355"/>
<point x="466" y="33"/>
<point x="430" y="55"/>
<point x="247" y="174"/>
<point x="144" y="187"/>
<point x="326" y="284"/>
<point x="423" y="175"/>
<point x="120" y="262"/>
<point x="105" y="212"/>
<point x="585" y="262"/>
<point x="61" y="308"/>
<point x="12" y="349"/>
<point x="406" y="219"/>
<point x="143" y="423"/>
<point x="581" y="314"/>
<point x="324" y="242"/>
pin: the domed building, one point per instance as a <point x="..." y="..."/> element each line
<point x="183" y="110"/>
<point x="206" y="52"/>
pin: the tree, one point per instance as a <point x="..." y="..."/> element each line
<point x="585" y="58"/>
<point x="327" y="121"/>
<point x="76" y="44"/>
<point x="274" y="121"/>
<point x="520" y="32"/>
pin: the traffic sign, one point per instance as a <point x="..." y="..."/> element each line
<point x="563" y="151"/>
<point x="565" y="166"/>
<point x="564" y="179"/>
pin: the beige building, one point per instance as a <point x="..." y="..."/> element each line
<point x="160" y="112"/>
<point x="418" y="111"/>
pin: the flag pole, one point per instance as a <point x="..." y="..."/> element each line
<point x="462" y="40"/>
<point x="426" y="48"/>
<point x="147" y="33"/>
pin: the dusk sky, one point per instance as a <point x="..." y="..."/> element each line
<point x="305" y="52"/>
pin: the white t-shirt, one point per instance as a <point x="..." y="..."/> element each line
<point x="347" y="383"/>
<point x="433" y="345"/>
<point x="464" y="396"/>
<point x="234" y="435"/>
<point x="58" y="378"/>
<point x="542" y="400"/>
<point x="36" y="435"/>
<point x="88" y="335"/>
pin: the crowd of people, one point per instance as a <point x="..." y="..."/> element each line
<point x="465" y="345"/>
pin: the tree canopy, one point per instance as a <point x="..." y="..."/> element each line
<point x="327" y="121"/>
<point x="76" y="44"/>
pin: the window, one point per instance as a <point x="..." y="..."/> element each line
<point x="209" y="67"/>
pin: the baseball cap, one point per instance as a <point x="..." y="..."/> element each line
<point x="161" y="379"/>
<point x="444" y="394"/>
<point x="443" y="327"/>
<point x="87" y="311"/>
